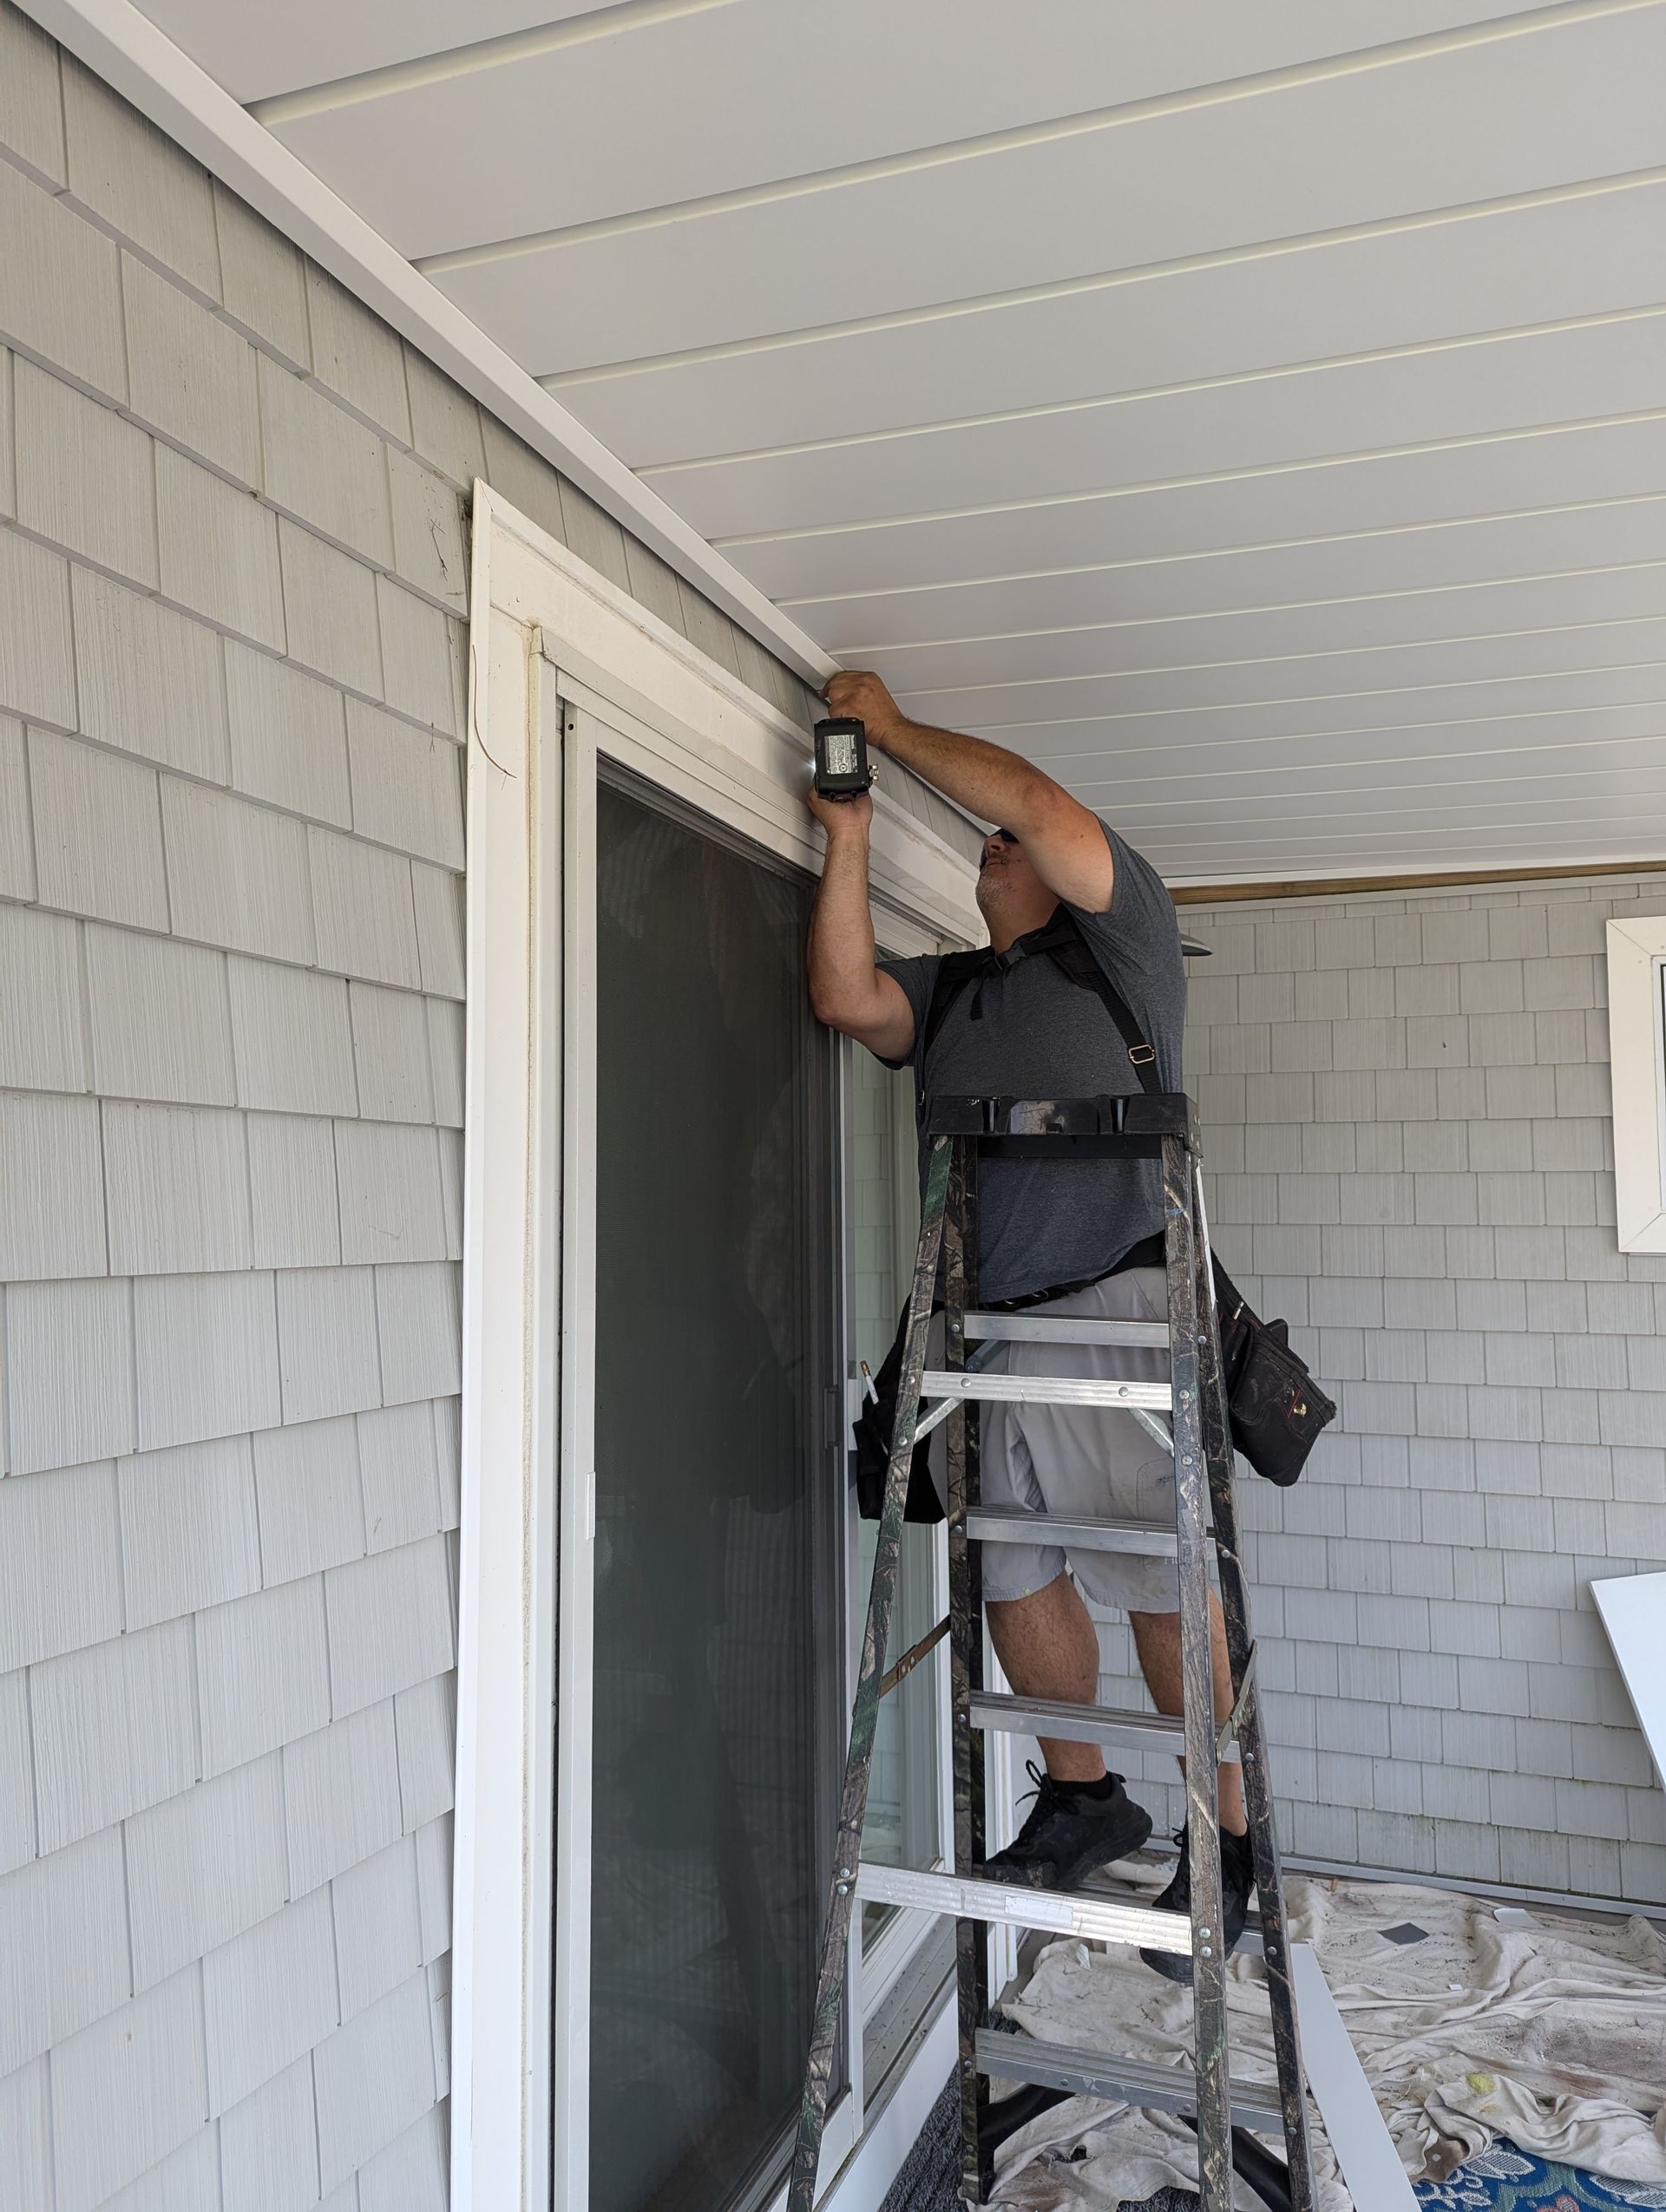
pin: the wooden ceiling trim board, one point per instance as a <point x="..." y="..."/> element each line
<point x="1341" y="887"/>
<point x="125" y="48"/>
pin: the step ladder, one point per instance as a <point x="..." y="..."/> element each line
<point x="961" y="1131"/>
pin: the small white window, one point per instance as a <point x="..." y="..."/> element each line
<point x="1636" y="1024"/>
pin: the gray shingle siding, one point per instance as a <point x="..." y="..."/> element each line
<point x="1429" y="1199"/>
<point x="232" y="580"/>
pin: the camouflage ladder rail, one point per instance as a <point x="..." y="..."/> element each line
<point x="1225" y="2113"/>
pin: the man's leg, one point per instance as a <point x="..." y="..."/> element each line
<point x="1157" y="1639"/>
<point x="1082" y="1817"/>
<point x="1048" y="1647"/>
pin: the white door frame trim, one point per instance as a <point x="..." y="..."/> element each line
<point x="546" y="631"/>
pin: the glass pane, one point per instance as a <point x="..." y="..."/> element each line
<point x="902" y="1828"/>
<point x="714" y="1176"/>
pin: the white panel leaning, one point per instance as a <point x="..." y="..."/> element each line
<point x="1637" y="1022"/>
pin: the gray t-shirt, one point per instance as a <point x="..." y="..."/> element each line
<point x="1040" y="1035"/>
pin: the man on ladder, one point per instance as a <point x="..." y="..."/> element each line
<point x="1090" y="1234"/>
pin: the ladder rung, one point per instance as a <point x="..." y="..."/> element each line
<point x="1118" y="2081"/>
<point x="1100" y="1920"/>
<point x="1118" y="1892"/>
<point x="1011" y="1524"/>
<point x="1046" y="1389"/>
<point x="1148" y="1732"/>
<point x="1038" y="1328"/>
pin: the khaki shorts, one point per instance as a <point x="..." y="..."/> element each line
<point x="1079" y="1460"/>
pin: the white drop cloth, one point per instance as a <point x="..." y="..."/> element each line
<point x="1553" y="2034"/>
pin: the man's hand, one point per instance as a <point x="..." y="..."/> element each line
<point x="858" y="691"/>
<point x="842" y="817"/>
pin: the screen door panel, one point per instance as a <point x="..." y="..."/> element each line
<point x="713" y="1179"/>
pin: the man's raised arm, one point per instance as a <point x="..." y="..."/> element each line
<point x="1066" y="844"/>
<point x="846" y="988"/>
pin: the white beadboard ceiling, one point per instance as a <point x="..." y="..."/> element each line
<point x="1255" y="413"/>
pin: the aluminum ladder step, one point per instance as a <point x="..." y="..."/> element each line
<point x="1146" y="1731"/>
<point x="958" y="1383"/>
<point x="1118" y="2081"/>
<point x="1100" y="1889"/>
<point x="1098" y="1918"/>
<point x="1011" y="1524"/>
<point x="1038" y="1328"/>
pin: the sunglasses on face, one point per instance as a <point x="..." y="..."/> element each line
<point x="1007" y="836"/>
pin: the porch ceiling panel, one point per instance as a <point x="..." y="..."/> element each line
<point x="1261" y="422"/>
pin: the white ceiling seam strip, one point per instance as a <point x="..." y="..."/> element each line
<point x="1226" y="380"/>
<point x="1240" y="549"/>
<point x="121" y="45"/>
<point x="1263" y="610"/>
<point x="1068" y="288"/>
<point x="1631" y="418"/>
<point x="504" y="51"/>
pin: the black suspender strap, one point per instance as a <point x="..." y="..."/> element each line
<point x="1061" y="941"/>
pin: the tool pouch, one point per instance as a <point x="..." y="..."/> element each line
<point x="871" y="1438"/>
<point x="1277" y="1409"/>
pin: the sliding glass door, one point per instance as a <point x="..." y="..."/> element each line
<point x="736" y="1224"/>
<point x="716" y="1530"/>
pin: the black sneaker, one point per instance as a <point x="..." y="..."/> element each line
<point x="1068" y="1833"/>
<point x="1237" y="1880"/>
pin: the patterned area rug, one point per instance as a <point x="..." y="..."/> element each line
<point x="1503" y="2178"/>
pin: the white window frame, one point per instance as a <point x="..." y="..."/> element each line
<point x="1637" y="1030"/>
<point x="884" y="1965"/>
<point x="549" y="635"/>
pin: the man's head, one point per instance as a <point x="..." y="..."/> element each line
<point x="1011" y="897"/>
